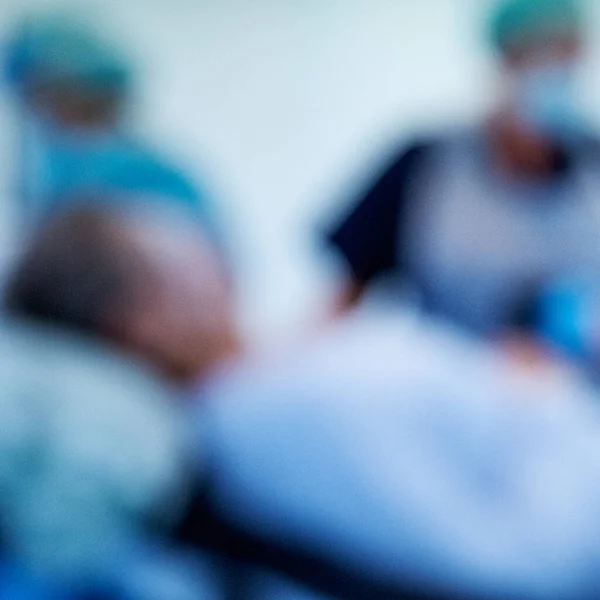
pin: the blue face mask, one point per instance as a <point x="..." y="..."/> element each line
<point x="546" y="101"/>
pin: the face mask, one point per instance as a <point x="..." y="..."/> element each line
<point x="546" y="101"/>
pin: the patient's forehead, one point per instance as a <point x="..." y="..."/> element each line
<point x="175" y="247"/>
<point x="168" y="233"/>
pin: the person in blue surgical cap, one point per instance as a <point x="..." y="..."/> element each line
<point x="74" y="88"/>
<point x="473" y="220"/>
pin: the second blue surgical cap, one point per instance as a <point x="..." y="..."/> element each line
<point x="515" y="22"/>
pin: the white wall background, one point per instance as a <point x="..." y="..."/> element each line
<point x="284" y="104"/>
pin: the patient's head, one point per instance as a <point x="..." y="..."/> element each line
<point x="148" y="281"/>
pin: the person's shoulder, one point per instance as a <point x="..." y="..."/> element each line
<point x="589" y="145"/>
<point x="136" y="170"/>
<point x="417" y="149"/>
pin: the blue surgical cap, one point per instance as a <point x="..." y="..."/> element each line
<point x="52" y="48"/>
<point x="515" y="22"/>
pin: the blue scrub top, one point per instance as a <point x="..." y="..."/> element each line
<point x="61" y="167"/>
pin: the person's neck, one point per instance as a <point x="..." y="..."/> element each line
<point x="521" y="152"/>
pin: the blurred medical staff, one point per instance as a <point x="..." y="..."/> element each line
<point x="74" y="89"/>
<point x="474" y="220"/>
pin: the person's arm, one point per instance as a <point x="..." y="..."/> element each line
<point x="368" y="237"/>
<point x="349" y="296"/>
